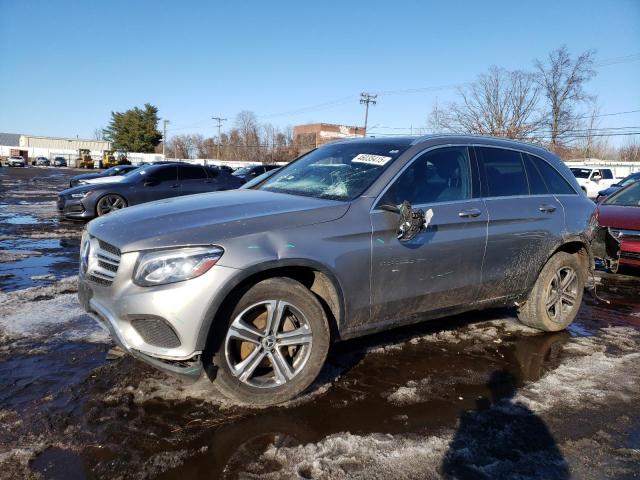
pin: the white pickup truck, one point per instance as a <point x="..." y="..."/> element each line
<point x="593" y="179"/>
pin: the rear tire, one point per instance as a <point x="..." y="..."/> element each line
<point x="273" y="345"/>
<point x="556" y="296"/>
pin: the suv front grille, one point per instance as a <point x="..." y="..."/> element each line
<point x="104" y="262"/>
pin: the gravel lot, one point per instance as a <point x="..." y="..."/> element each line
<point x="467" y="397"/>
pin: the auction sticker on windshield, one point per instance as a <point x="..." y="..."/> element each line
<point x="379" y="160"/>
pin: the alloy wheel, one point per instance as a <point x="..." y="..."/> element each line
<point x="268" y="344"/>
<point x="561" y="294"/>
<point x="109" y="203"/>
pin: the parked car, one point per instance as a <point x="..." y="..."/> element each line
<point x="251" y="172"/>
<point x="42" y="162"/>
<point x="602" y="194"/>
<point x="59" y="162"/>
<point x="119" y="171"/>
<point x="16" y="161"/>
<point x="259" y="179"/>
<point x="620" y="214"/>
<point x="226" y="168"/>
<point x="593" y="179"/>
<point x="251" y="286"/>
<point x="144" y="184"/>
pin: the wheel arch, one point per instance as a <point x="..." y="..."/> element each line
<point x="316" y="277"/>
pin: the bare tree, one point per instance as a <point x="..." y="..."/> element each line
<point x="500" y="103"/>
<point x="98" y="133"/>
<point x="563" y="80"/>
<point x="630" y="152"/>
<point x="592" y="145"/>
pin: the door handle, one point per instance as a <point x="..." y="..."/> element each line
<point x="547" y="208"/>
<point x="471" y="213"/>
<point x="175" y="186"/>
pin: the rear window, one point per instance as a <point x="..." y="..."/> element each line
<point x="504" y="172"/>
<point x="554" y="181"/>
<point x="192" y="172"/>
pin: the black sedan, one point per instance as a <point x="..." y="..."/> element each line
<point x="144" y="184"/>
<point x="252" y="171"/>
<point x="109" y="172"/>
<point x="602" y="194"/>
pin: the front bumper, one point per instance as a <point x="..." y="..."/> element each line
<point x="184" y="306"/>
<point x="73" y="208"/>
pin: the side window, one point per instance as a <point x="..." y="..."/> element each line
<point x="212" y="172"/>
<point x="504" y="171"/>
<point x="166" y="174"/>
<point x="441" y="175"/>
<point x="594" y="173"/>
<point x="607" y="174"/>
<point x="554" y="181"/>
<point x="192" y="172"/>
<point x="537" y="184"/>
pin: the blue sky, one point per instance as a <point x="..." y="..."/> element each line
<point x="65" y="65"/>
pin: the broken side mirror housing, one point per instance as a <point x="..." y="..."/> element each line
<point x="411" y="221"/>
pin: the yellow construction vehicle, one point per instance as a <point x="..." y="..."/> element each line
<point x="121" y="158"/>
<point x="84" y="158"/>
<point x="111" y="159"/>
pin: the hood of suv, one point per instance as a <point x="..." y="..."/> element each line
<point x="210" y="218"/>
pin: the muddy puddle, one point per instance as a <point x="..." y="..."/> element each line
<point x="36" y="245"/>
<point x="472" y="396"/>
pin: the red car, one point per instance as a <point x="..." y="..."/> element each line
<point x="621" y="213"/>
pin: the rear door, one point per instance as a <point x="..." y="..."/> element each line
<point x="441" y="266"/>
<point x="194" y="179"/>
<point x="160" y="182"/>
<point x="525" y="222"/>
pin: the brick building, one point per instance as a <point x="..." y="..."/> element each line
<point x="313" y="135"/>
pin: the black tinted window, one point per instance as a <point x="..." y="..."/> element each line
<point x="441" y="175"/>
<point x="167" y="173"/>
<point x="554" y="181"/>
<point x="606" y="173"/>
<point x="212" y="172"/>
<point x="192" y="172"/>
<point x="504" y="171"/>
<point x="537" y="185"/>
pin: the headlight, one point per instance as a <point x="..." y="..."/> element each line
<point x="170" y="266"/>
<point x="82" y="194"/>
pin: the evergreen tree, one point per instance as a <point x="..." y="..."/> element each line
<point x="135" y="130"/>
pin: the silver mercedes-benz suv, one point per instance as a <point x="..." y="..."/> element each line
<point x="250" y="286"/>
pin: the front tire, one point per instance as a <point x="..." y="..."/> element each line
<point x="556" y="296"/>
<point x="110" y="203"/>
<point x="274" y="344"/>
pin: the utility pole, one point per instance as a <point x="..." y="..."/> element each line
<point x="366" y="99"/>
<point x="219" y="120"/>
<point x="164" y="135"/>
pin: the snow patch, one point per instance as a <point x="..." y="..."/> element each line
<point x="344" y="455"/>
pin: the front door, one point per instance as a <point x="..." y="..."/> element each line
<point x="441" y="266"/>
